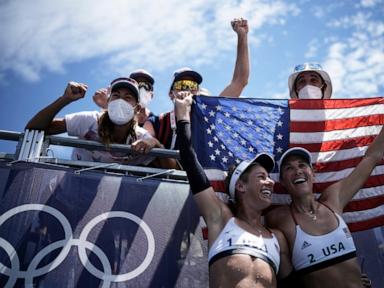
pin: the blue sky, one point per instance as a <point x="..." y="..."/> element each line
<point x="44" y="44"/>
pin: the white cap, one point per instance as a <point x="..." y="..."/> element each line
<point x="296" y="151"/>
<point x="264" y="159"/>
<point x="142" y="73"/>
<point x="309" y="67"/>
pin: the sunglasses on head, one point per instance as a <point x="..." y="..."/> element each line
<point x="307" y="66"/>
<point x="185" y="85"/>
<point x="146" y="86"/>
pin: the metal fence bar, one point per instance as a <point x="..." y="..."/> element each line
<point x="93" y="145"/>
<point x="8" y="156"/>
<point x="138" y="170"/>
<point x="10" y="135"/>
<point x="87" y="144"/>
<point x="145" y="172"/>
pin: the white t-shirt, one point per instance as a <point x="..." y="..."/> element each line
<point x="85" y="126"/>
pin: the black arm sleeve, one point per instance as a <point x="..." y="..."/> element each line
<point x="196" y="176"/>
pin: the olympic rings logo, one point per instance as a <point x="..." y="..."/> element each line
<point x="82" y="244"/>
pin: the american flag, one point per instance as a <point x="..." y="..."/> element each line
<point x="337" y="132"/>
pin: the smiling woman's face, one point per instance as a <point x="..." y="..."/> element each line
<point x="296" y="174"/>
<point x="255" y="185"/>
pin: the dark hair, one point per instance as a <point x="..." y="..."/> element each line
<point x="324" y="85"/>
<point x="107" y="127"/>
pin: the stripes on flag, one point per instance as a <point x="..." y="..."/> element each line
<point x="337" y="132"/>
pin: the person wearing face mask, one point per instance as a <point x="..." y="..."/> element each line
<point x="114" y="125"/>
<point x="146" y="82"/>
<point x="309" y="81"/>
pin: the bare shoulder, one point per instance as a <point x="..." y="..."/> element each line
<point x="278" y="211"/>
<point x="276" y="217"/>
<point x="330" y="197"/>
<point x="278" y="234"/>
<point x="283" y="242"/>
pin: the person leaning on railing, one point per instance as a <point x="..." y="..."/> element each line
<point x="146" y="82"/>
<point x="115" y="125"/>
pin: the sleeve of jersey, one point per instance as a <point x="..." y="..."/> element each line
<point x="198" y="180"/>
<point x="141" y="133"/>
<point x="79" y="123"/>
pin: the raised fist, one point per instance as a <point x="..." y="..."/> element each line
<point x="75" y="91"/>
<point x="240" y="25"/>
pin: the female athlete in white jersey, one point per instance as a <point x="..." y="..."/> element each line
<point x="242" y="252"/>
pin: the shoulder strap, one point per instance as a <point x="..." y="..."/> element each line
<point x="173" y="127"/>
<point x="322" y="203"/>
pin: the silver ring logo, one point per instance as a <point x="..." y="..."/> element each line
<point x="66" y="244"/>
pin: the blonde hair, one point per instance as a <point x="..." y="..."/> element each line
<point x="107" y="127"/>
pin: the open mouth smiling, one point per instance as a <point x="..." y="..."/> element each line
<point x="299" y="180"/>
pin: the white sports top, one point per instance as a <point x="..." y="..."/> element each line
<point x="311" y="253"/>
<point x="235" y="240"/>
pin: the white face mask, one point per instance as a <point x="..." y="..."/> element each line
<point x="145" y="97"/>
<point x="310" y="92"/>
<point x="120" y="111"/>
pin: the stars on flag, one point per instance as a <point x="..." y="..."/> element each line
<point x="238" y="130"/>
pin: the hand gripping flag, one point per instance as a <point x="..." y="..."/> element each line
<point x="337" y="132"/>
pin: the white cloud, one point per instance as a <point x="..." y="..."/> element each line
<point x="46" y="35"/>
<point x="324" y="10"/>
<point x="319" y="11"/>
<point x="312" y="49"/>
<point x="356" y="64"/>
<point x="369" y="3"/>
<point x="280" y="95"/>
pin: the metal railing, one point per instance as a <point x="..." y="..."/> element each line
<point x="33" y="147"/>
